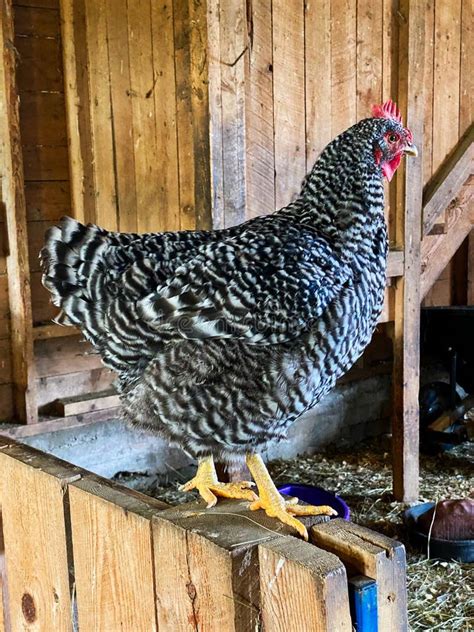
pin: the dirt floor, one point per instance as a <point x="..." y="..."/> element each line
<point x="440" y="593"/>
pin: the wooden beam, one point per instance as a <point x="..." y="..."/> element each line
<point x="436" y="256"/>
<point x="376" y="556"/>
<point x="47" y="425"/>
<point x="445" y="185"/>
<point x="13" y="197"/>
<point x="43" y="332"/>
<point x="408" y="237"/>
<point x="85" y="403"/>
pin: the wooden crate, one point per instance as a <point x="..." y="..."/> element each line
<point x="82" y="549"/>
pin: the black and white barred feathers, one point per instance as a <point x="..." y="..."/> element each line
<point x="221" y="339"/>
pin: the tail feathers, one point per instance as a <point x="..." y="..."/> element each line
<point x="71" y="254"/>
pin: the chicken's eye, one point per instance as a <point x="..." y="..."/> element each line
<point x="392" y="138"/>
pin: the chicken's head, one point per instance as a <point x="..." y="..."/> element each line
<point x="393" y="141"/>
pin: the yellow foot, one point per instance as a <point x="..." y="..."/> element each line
<point x="209" y="487"/>
<point x="285" y="510"/>
<point x="273" y="502"/>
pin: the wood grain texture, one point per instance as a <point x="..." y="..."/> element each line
<point x="72" y="105"/>
<point x="215" y="115"/>
<point x="142" y="82"/>
<point x="39" y="64"/>
<point x="113" y="556"/>
<point x="317" y="78"/>
<point x="47" y="201"/>
<point x="427" y="155"/>
<point x="390" y="89"/>
<point x="122" y="114"/>
<point x="36" y="21"/>
<point x="370" y="553"/>
<point x="343" y="65"/>
<point x="259" y="147"/>
<point x="408" y="237"/>
<point x="164" y="95"/>
<point x="448" y="180"/>
<point x="437" y="250"/>
<point x="13" y="197"/>
<point x="213" y="581"/>
<point x="233" y="61"/>
<point x="38" y="575"/>
<point x="58" y="356"/>
<point x="289" y="101"/>
<point x="100" y="113"/>
<point x="369" y="56"/>
<point x="302" y="588"/>
<point x="447" y="34"/>
<point x="87" y="381"/>
<point x="466" y="85"/>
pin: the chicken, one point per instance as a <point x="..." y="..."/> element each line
<point x="222" y="339"/>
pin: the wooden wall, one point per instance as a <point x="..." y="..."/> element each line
<point x="449" y="95"/>
<point x="139" y="101"/>
<point x="180" y="114"/>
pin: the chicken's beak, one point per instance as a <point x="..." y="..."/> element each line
<point x="411" y="150"/>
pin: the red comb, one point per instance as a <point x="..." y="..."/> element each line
<point x="388" y="110"/>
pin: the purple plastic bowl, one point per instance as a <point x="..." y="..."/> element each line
<point x="317" y="496"/>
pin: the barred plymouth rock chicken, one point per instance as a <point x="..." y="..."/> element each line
<point x="222" y="339"/>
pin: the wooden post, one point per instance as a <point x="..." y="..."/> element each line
<point x="225" y="574"/>
<point x="113" y="556"/>
<point x="13" y="196"/>
<point x="408" y="237"/>
<point x="302" y="588"/>
<point x="34" y="529"/>
<point x="376" y="556"/>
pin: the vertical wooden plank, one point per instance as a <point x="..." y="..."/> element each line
<point x="343" y="64"/>
<point x="164" y="94"/>
<point x="259" y="111"/>
<point x="289" y="99"/>
<point x="302" y="588"/>
<point x="375" y="556"/>
<point x="215" y="115"/>
<point x="192" y="114"/>
<point x="408" y="237"/>
<point x="13" y="197"/>
<point x="389" y="90"/>
<point x="199" y="82"/>
<point x="101" y="115"/>
<point x="72" y="99"/>
<point x="147" y="162"/>
<point x="35" y="536"/>
<point x="446" y="79"/>
<point x="369" y="56"/>
<point x="122" y="115"/>
<point x="429" y="69"/>
<point x="113" y="557"/>
<point x="466" y="88"/>
<point x="78" y="110"/>
<point x="317" y="78"/>
<point x="213" y="583"/>
<point x="184" y="116"/>
<point x="233" y="55"/>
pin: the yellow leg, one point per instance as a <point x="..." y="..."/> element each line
<point x="209" y="487"/>
<point x="273" y="502"/>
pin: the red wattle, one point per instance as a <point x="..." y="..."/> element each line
<point x="389" y="168"/>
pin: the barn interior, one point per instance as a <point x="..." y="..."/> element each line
<point x="147" y="116"/>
